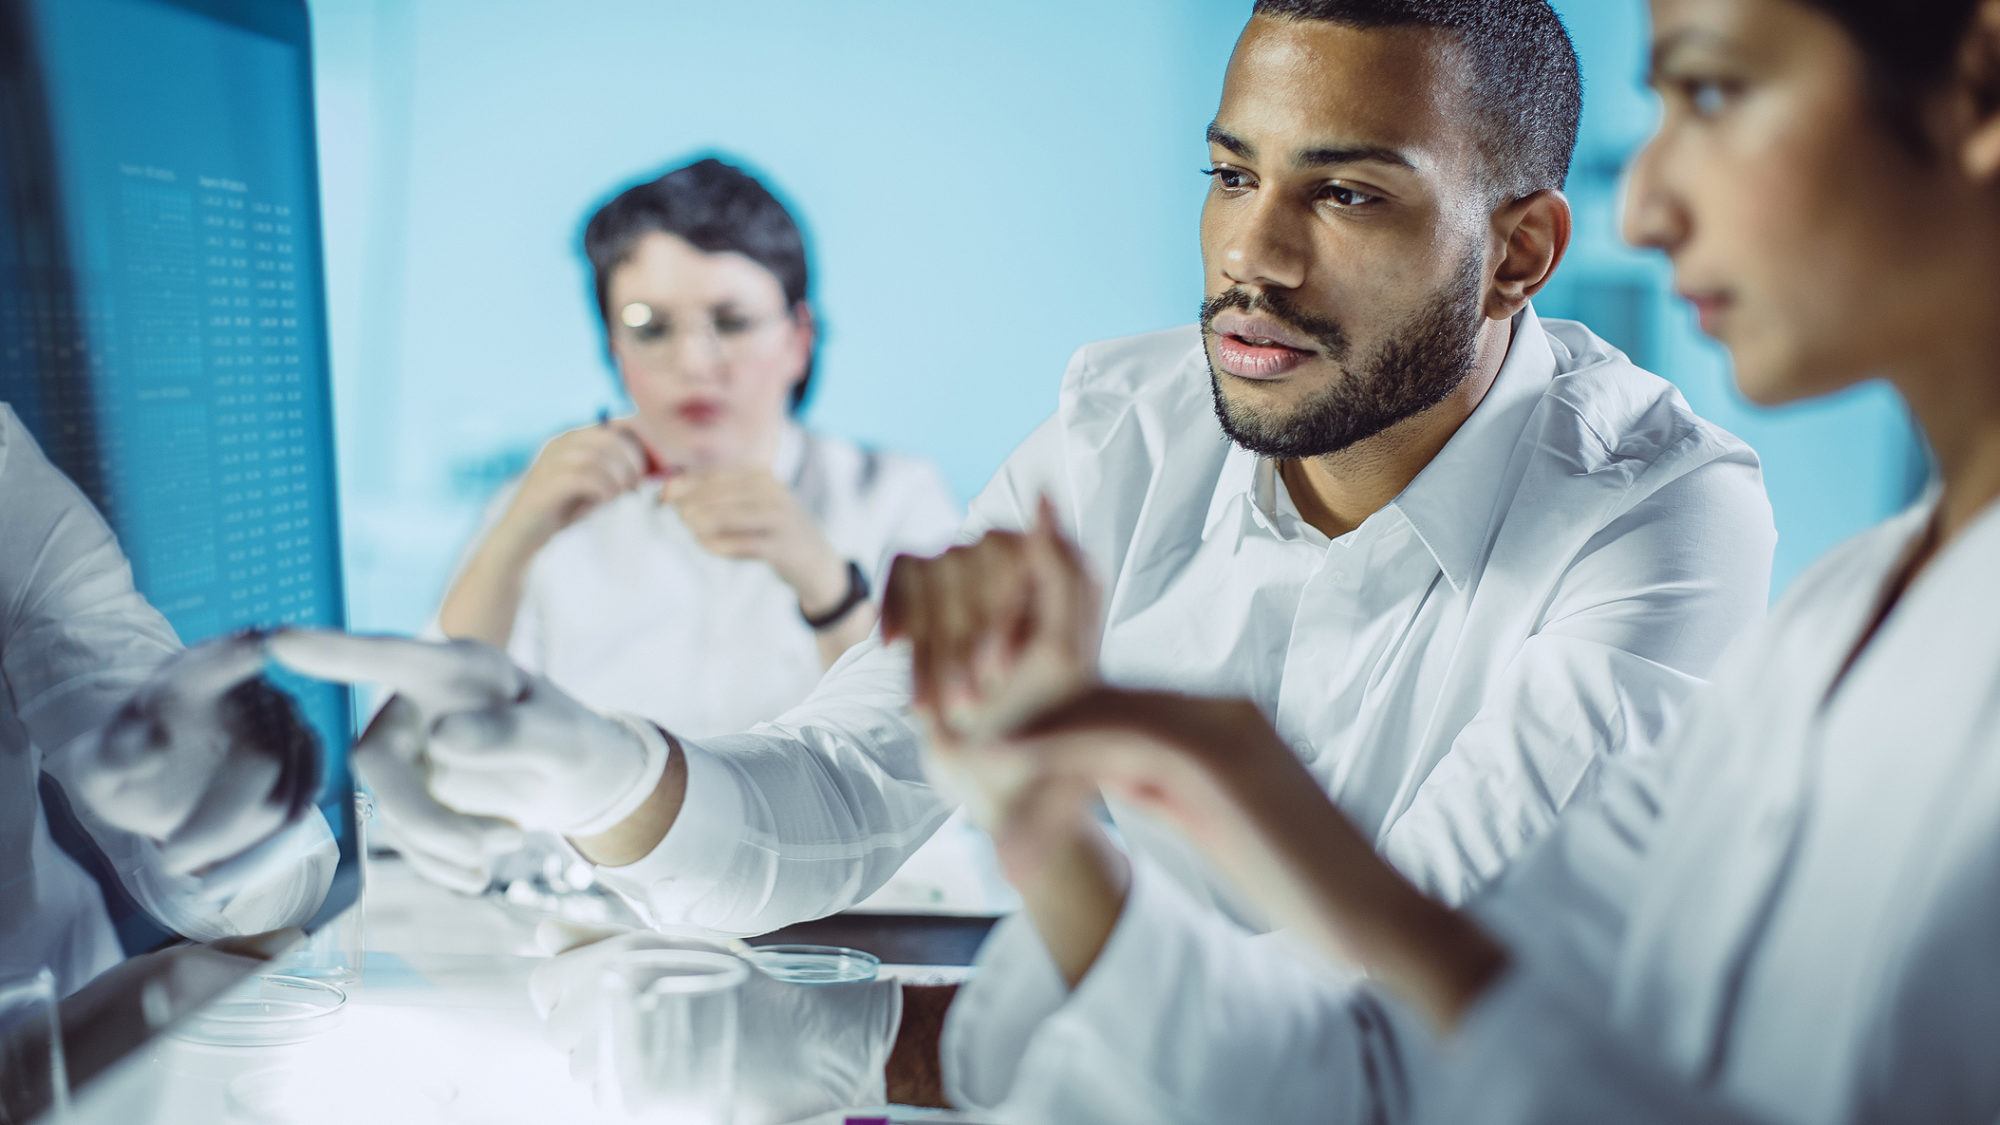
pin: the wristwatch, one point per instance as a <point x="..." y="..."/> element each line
<point x="857" y="592"/>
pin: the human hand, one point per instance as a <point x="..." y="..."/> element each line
<point x="803" y="1049"/>
<point x="999" y="630"/>
<point x="574" y="473"/>
<point x="206" y="758"/>
<point x="471" y="744"/>
<point x="746" y="513"/>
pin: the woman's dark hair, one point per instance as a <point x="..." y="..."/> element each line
<point x="1910" y="47"/>
<point x="717" y="208"/>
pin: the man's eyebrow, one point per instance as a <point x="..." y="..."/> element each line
<point x="1329" y="155"/>
<point x="1217" y="135"/>
<point x="1319" y="156"/>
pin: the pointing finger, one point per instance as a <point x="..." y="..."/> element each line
<point x="439" y="676"/>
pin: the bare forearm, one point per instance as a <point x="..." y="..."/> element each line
<point x="915" y="1073"/>
<point x="486" y="596"/>
<point x="1075" y="898"/>
<point x="637" y="835"/>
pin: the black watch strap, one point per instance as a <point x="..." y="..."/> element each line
<point x="857" y="592"/>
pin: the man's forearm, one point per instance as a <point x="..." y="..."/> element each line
<point x="915" y="1073"/>
<point x="637" y="835"/>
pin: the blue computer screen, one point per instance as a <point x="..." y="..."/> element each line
<point x="165" y="341"/>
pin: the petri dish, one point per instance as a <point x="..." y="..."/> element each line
<point x="815" y="964"/>
<point x="268" y="1011"/>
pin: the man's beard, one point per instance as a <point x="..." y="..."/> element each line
<point x="1415" y="367"/>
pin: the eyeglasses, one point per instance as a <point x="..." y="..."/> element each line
<point x="651" y="335"/>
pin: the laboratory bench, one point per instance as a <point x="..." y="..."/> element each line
<point x="439" y="1028"/>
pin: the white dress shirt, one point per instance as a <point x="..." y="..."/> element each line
<point x="628" y="613"/>
<point x="1545" y="593"/>
<point x="1789" y="914"/>
<point x="76" y="639"/>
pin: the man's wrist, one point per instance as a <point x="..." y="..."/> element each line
<point x="634" y="837"/>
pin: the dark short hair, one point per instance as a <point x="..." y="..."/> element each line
<point x="1910" y="49"/>
<point x="717" y="208"/>
<point x="1525" y="82"/>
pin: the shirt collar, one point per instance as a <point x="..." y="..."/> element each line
<point x="1450" y="503"/>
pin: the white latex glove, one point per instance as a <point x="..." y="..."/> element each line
<point x="206" y="758"/>
<point x="805" y="1049"/>
<point x="472" y="747"/>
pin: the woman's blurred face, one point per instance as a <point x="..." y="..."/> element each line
<point x="708" y="350"/>
<point x="1813" y="242"/>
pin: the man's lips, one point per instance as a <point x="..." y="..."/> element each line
<point x="1255" y="347"/>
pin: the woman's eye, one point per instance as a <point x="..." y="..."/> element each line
<point x="1707" y="97"/>
<point x="730" y="325"/>
<point x="651" y="331"/>
<point x="1228" y="179"/>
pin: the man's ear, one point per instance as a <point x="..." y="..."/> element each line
<point x="1979" y="64"/>
<point x="1533" y="233"/>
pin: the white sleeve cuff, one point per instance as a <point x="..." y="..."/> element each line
<point x="705" y="833"/>
<point x="1015" y="1037"/>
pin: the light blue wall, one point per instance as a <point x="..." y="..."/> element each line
<point x="987" y="187"/>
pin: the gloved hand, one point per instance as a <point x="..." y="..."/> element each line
<point x="805" y="1049"/>
<point x="206" y="758"/>
<point x="471" y="747"/>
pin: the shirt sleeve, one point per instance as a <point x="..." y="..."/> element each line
<point x="1186" y="1016"/>
<point x="1636" y="625"/>
<point x="78" y="640"/>
<point x="812" y="812"/>
<point x="1527" y="1055"/>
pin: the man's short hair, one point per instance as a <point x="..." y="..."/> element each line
<point x="717" y="208"/>
<point x="1526" y="84"/>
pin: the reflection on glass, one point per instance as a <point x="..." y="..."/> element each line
<point x="166" y="482"/>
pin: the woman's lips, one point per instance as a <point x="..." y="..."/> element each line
<point x="1246" y="360"/>
<point x="1710" y="308"/>
<point x="699" y="413"/>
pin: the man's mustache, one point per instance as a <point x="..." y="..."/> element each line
<point x="1325" y="331"/>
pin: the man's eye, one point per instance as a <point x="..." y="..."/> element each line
<point x="652" y="331"/>
<point x="1228" y="179"/>
<point x="1347" y="196"/>
<point x="731" y="325"/>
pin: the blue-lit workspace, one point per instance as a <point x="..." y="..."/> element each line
<point x="1120" y="561"/>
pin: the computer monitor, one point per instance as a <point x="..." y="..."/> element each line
<point x="163" y="318"/>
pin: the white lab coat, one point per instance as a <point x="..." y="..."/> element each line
<point x="76" y="639"/>
<point x="628" y="613"/>
<point x="1545" y="594"/>
<point x="1791" y="914"/>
